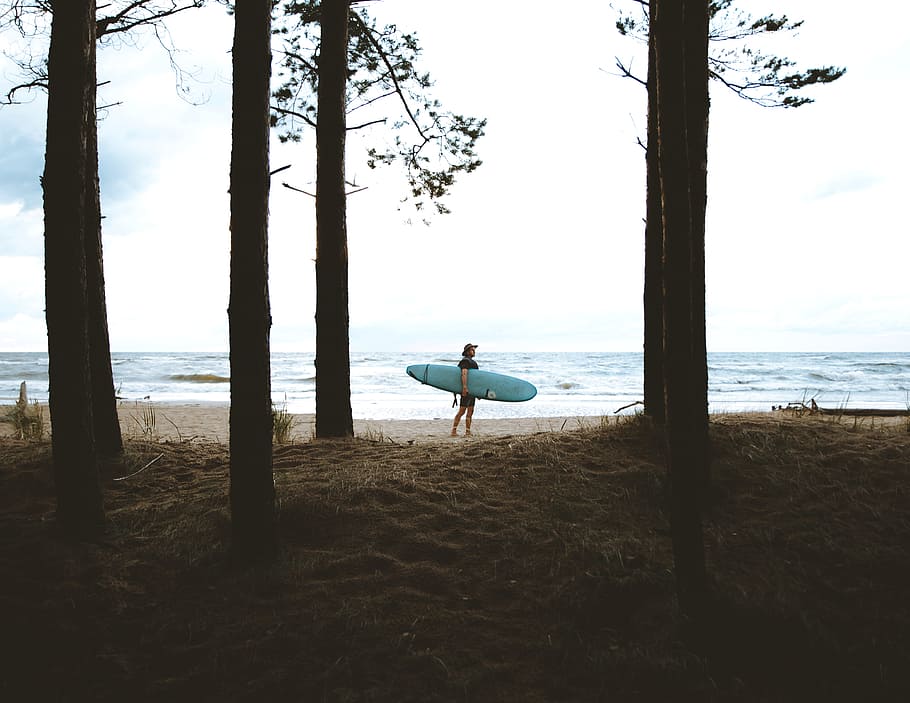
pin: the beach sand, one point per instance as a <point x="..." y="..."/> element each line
<point x="531" y="562"/>
<point x="209" y="422"/>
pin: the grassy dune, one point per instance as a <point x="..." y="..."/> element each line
<point x="524" y="568"/>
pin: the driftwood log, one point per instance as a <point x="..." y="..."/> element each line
<point x="865" y="412"/>
<point x="799" y="408"/>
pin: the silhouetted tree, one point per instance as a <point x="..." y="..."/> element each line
<point x="654" y="279"/>
<point x="676" y="374"/>
<point x="106" y="421"/>
<point x="680" y="47"/>
<point x="333" y="361"/>
<point x="30" y="18"/>
<point x="114" y="19"/>
<point x="70" y="110"/>
<point x="345" y="72"/>
<point x="695" y="26"/>
<point x="253" y="519"/>
<point x="763" y="79"/>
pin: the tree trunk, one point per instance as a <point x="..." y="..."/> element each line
<point x="653" y="293"/>
<point x="333" y="356"/>
<point x="686" y="453"/>
<point x="254" y="533"/>
<point x="71" y="88"/>
<point x="697" y="107"/>
<point x="108" y="439"/>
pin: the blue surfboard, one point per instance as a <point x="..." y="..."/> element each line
<point x="481" y="384"/>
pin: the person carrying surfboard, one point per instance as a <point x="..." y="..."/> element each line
<point x="466" y="406"/>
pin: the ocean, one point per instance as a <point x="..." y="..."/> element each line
<point x="568" y="383"/>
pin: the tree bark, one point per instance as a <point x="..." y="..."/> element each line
<point x="653" y="289"/>
<point x="697" y="108"/>
<point x="685" y="451"/>
<point x="333" y="361"/>
<point x="253" y="521"/>
<point x="71" y="89"/>
<point x="108" y="438"/>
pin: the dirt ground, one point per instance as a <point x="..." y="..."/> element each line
<point x="519" y="568"/>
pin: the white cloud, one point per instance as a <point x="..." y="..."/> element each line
<point x="22" y="333"/>
<point x="806" y="243"/>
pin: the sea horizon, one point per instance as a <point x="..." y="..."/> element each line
<point x="569" y="383"/>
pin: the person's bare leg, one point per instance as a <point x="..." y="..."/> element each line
<point x="457" y="420"/>
<point x="467" y="420"/>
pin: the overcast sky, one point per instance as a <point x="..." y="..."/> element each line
<point x="807" y="242"/>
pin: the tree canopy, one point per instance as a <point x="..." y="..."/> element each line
<point x="385" y="87"/>
<point x="735" y="60"/>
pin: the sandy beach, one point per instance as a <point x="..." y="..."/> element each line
<point x="209" y="422"/>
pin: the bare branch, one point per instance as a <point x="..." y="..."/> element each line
<point x="367" y="124"/>
<point x="627" y="73"/>
<point x="291" y="113"/>
<point x="299" y="190"/>
<point x="11" y="93"/>
<point x="122" y="22"/>
<point x="29" y="17"/>
<point x="371" y="101"/>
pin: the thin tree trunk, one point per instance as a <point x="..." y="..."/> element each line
<point x="697" y="107"/>
<point x="108" y="439"/>
<point x="71" y="88"/>
<point x="653" y="291"/>
<point x="253" y="519"/>
<point x="686" y="454"/>
<point x="333" y="359"/>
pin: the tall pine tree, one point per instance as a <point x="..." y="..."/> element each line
<point x="70" y="112"/>
<point x="359" y="67"/>
<point x="333" y="360"/>
<point x="738" y="65"/>
<point x="680" y="44"/>
<point x="253" y="520"/>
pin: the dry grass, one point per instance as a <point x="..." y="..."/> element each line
<point x="532" y="568"/>
<point x="26" y="420"/>
<point x="282" y="424"/>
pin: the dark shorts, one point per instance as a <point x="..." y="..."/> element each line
<point x="467" y="401"/>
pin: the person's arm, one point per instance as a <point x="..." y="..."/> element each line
<point x="464" y="381"/>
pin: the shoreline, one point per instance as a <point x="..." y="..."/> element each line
<point x="209" y="421"/>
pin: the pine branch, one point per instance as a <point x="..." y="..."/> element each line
<point x="371" y="101"/>
<point x="297" y="57"/>
<point x="292" y="113"/>
<point x="385" y="59"/>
